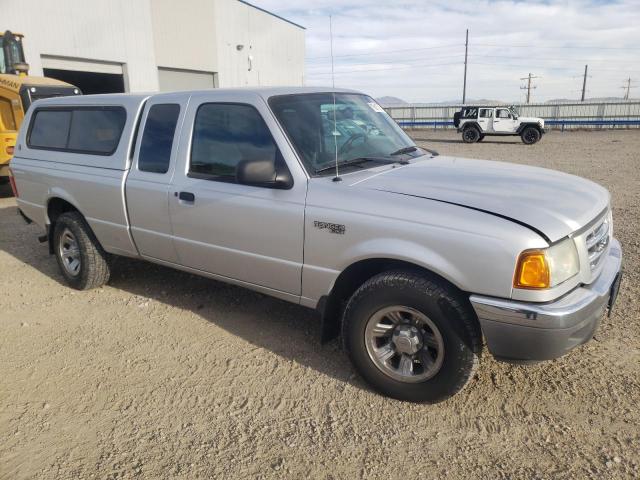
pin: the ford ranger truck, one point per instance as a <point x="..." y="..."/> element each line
<point x="317" y="197"/>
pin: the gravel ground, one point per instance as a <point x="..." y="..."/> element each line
<point x="166" y="375"/>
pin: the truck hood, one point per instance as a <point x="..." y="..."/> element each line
<point x="552" y="203"/>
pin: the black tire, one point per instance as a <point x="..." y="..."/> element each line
<point x="93" y="269"/>
<point x="481" y="138"/>
<point x="470" y="135"/>
<point x="447" y="309"/>
<point x="530" y="135"/>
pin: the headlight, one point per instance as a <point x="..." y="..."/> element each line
<point x="538" y="269"/>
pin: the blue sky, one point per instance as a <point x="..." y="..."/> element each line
<point x="414" y="49"/>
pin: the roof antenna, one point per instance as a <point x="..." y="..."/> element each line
<point x="333" y="93"/>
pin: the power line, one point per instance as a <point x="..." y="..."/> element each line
<point x="393" y="62"/>
<point x="472" y="62"/>
<point x="435" y="47"/>
<point x="389" y="69"/>
<point x="387" y="51"/>
<point x="568" y="57"/>
<point x="556" y="46"/>
<point x="513" y="65"/>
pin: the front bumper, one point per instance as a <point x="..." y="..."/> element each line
<point x="528" y="332"/>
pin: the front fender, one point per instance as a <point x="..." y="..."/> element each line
<point x="406" y="251"/>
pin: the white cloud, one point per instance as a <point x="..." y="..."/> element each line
<point x="414" y="49"/>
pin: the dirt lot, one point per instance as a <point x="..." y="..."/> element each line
<point x="166" y="375"/>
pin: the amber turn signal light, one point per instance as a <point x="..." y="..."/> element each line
<point x="10" y="149"/>
<point x="532" y="271"/>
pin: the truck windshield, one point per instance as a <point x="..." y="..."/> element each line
<point x="318" y="124"/>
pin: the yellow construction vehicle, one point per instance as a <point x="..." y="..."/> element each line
<point x="17" y="91"/>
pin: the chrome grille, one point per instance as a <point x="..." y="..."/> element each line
<point x="597" y="241"/>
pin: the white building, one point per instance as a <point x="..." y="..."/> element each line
<point x="146" y="45"/>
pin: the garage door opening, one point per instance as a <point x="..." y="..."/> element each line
<point x="89" y="82"/>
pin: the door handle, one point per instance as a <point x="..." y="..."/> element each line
<point x="186" y="196"/>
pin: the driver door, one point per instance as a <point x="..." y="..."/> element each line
<point x="250" y="234"/>
<point x="503" y="121"/>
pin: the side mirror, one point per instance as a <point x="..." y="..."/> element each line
<point x="263" y="173"/>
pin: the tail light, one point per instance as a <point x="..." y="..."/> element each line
<point x="12" y="181"/>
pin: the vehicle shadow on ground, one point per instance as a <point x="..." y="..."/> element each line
<point x="286" y="329"/>
<point x="442" y="140"/>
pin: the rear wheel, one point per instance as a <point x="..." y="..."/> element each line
<point x="82" y="261"/>
<point x="411" y="336"/>
<point x="530" y="135"/>
<point x="470" y="135"/>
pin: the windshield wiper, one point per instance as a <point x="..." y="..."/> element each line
<point x="413" y="148"/>
<point x="410" y="149"/>
<point x="354" y="162"/>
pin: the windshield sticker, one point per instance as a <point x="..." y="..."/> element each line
<point x="375" y="107"/>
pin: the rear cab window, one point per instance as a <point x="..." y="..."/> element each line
<point x="89" y="130"/>
<point x="157" y="138"/>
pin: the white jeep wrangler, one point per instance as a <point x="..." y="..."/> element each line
<point x="477" y="122"/>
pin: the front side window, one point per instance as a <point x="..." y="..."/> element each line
<point x="351" y="127"/>
<point x="503" y="113"/>
<point x="226" y="134"/>
<point x="91" y="130"/>
<point x="157" y="138"/>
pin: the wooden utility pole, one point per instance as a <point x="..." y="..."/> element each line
<point x="528" y="86"/>
<point x="584" y="83"/>
<point x="627" y="88"/>
<point x="464" y="85"/>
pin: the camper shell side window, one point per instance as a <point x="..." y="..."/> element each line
<point x="93" y="130"/>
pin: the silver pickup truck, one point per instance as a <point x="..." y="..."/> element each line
<point x="317" y="197"/>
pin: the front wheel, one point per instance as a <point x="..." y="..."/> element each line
<point x="412" y="336"/>
<point x="530" y="135"/>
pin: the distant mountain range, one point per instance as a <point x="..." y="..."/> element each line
<point x="388" y="101"/>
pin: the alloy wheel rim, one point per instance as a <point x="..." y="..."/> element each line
<point x="69" y="252"/>
<point x="404" y="344"/>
